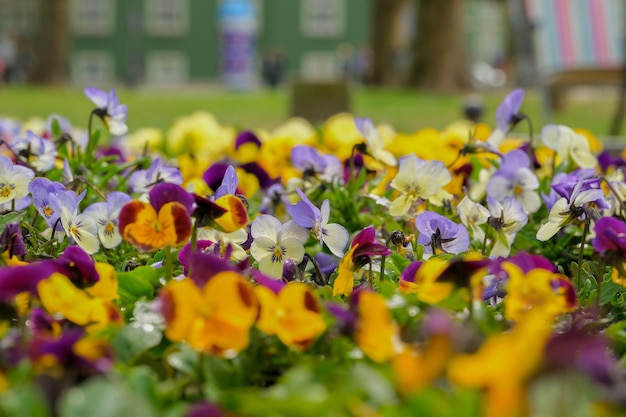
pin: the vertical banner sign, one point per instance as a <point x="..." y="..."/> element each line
<point x="238" y="23"/>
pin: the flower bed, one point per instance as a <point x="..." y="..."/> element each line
<point x="345" y="271"/>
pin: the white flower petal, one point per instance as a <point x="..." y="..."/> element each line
<point x="293" y="249"/>
<point x="262" y="247"/>
<point x="292" y="230"/>
<point x="271" y="268"/>
<point x="336" y="238"/>
<point x="266" y="226"/>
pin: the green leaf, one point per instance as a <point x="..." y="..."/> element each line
<point x="99" y="397"/>
<point x="55" y="128"/>
<point x="132" y="340"/>
<point x="399" y="261"/>
<point x="23" y="400"/>
<point x="138" y="283"/>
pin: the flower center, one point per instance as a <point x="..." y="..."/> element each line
<point x="5" y="190"/>
<point x="47" y="211"/>
<point x="278" y="254"/>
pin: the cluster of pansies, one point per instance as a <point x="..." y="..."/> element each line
<point x="349" y="270"/>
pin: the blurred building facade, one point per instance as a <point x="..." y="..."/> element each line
<point x="178" y="41"/>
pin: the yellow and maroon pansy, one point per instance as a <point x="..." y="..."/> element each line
<point x="293" y="314"/>
<point x="163" y="222"/>
<point x="214" y="319"/>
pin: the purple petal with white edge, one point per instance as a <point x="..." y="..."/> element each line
<point x="363" y="125"/>
<point x="164" y="193"/>
<point x="229" y="183"/>
<point x="306" y="158"/>
<point x="499" y="186"/>
<point x="512" y="161"/>
<point x="336" y="238"/>
<point x="99" y="212"/>
<point x="116" y="200"/>
<point x="460" y="240"/>
<point x="304" y="212"/>
<point x="509" y="108"/>
<point x="98" y="97"/>
<point x="214" y="174"/>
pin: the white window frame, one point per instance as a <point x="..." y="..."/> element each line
<point x="312" y="10"/>
<point x="319" y="66"/>
<point x="156" y="27"/>
<point x="152" y="64"/>
<point x="82" y="59"/>
<point x="104" y="27"/>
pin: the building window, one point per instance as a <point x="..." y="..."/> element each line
<point x="322" y="18"/>
<point x="167" y="67"/>
<point x="93" y="67"/>
<point x="93" y="17"/>
<point x="20" y="17"/>
<point x="319" y="66"/>
<point x="167" y="17"/>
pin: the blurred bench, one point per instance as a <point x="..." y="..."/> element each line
<point x="577" y="42"/>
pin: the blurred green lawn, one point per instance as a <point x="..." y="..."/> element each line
<point x="406" y="110"/>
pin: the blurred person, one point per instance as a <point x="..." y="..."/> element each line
<point x="8" y="56"/>
<point x="273" y="67"/>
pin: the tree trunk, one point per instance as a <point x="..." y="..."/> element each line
<point x="384" y="13"/>
<point x="439" y="61"/>
<point x="52" y="47"/>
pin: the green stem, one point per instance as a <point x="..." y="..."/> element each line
<point x="484" y="249"/>
<point x="383" y="258"/>
<point x="169" y="269"/>
<point x="321" y="279"/>
<point x="600" y="278"/>
<point x="581" y="251"/>
<point x="89" y="132"/>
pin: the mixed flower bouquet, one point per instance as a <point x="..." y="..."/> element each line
<point x="345" y="271"/>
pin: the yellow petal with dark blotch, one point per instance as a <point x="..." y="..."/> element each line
<point x="181" y="306"/>
<point x="138" y="222"/>
<point x="268" y="316"/>
<point x="376" y="329"/>
<point x="231" y="298"/>
<point x="300" y="322"/>
<point x="237" y="215"/>
<point x="175" y="223"/>
<point x="131" y="213"/>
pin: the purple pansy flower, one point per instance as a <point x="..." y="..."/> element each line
<point x="307" y="215"/>
<point x="106" y="216"/>
<point x="515" y="179"/>
<point x="39" y="152"/>
<point x="506" y="219"/>
<point x="229" y="183"/>
<point x="108" y="108"/>
<point x="579" y="205"/>
<point x="610" y="235"/>
<point x="507" y="114"/>
<point x="41" y="189"/>
<point x="142" y="181"/>
<point x="439" y="234"/>
<point x="307" y="159"/>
